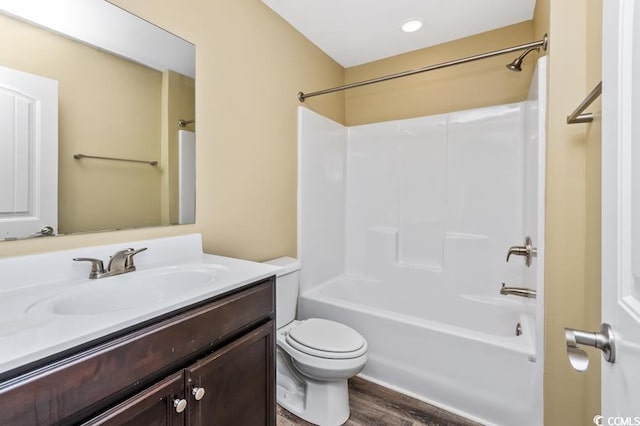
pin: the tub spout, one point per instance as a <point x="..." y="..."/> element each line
<point x="518" y="291"/>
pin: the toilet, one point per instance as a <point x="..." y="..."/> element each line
<point x="315" y="357"/>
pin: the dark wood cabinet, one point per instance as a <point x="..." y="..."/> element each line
<point x="233" y="386"/>
<point x="238" y="384"/>
<point x="224" y="345"/>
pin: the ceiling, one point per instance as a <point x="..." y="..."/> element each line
<point x="355" y="32"/>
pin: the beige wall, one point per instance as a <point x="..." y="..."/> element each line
<point x="178" y="103"/>
<point x="572" y="282"/>
<point x="250" y="66"/>
<point x="472" y="85"/>
<point x="107" y="106"/>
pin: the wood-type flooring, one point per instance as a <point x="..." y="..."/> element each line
<point x="375" y="405"/>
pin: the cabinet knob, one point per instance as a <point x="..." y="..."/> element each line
<point x="198" y="393"/>
<point x="180" y="405"/>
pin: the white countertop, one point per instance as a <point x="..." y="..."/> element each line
<point x="29" y="331"/>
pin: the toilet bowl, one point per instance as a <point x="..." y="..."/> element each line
<point x="315" y="357"/>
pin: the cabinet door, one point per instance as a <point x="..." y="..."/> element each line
<point x="238" y="382"/>
<point x="155" y="406"/>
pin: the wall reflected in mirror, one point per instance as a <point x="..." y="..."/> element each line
<point x="123" y="84"/>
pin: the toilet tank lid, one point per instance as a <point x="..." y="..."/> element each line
<point x="287" y="265"/>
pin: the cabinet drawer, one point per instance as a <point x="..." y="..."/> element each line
<point x="85" y="383"/>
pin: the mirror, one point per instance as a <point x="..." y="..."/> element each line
<point x="103" y="87"/>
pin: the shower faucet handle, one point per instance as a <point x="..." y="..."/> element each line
<point x="527" y="251"/>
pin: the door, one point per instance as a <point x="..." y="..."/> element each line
<point x="28" y="154"/>
<point x="621" y="206"/>
<point x="162" y="404"/>
<point x="235" y="386"/>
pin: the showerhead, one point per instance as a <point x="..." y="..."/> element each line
<point x="516" y="64"/>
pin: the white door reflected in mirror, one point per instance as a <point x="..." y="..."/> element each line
<point x="28" y="154"/>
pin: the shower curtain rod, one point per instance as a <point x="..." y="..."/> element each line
<point x="533" y="45"/>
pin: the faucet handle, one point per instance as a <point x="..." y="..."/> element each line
<point x="528" y="251"/>
<point x="97" y="267"/>
<point x="129" y="262"/>
<point x="517" y="250"/>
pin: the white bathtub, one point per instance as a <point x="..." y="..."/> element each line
<point x="457" y="352"/>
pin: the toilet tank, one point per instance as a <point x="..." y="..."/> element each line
<point x="287" y="285"/>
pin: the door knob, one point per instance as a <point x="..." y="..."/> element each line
<point x="527" y="250"/>
<point x="198" y="393"/>
<point x="180" y="405"/>
<point x="604" y="340"/>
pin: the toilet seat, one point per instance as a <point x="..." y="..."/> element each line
<point x="326" y="339"/>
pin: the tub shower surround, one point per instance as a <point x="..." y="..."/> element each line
<point x="404" y="228"/>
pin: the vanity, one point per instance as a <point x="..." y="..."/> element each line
<point x="182" y="337"/>
<point x="101" y="351"/>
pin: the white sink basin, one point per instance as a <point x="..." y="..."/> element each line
<point x="134" y="290"/>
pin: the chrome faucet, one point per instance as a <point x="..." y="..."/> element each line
<point x="120" y="262"/>
<point x="518" y="291"/>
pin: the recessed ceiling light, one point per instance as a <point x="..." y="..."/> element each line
<point x="412" y="25"/>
